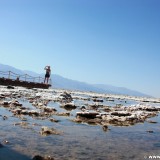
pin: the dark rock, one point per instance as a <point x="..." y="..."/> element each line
<point x="66" y="97"/>
<point x="5" y="117"/>
<point x="53" y="120"/>
<point x="83" y="107"/>
<point x="17" y="111"/>
<point x="10" y="87"/>
<point x="121" y="114"/>
<point x="112" y="100"/>
<point x="68" y="106"/>
<point x="24" y="112"/>
<point x="149" y="131"/>
<point x="107" y="109"/>
<point x="6" y="103"/>
<point x="2" y="97"/>
<point x="150" y="121"/>
<point x="151" y="109"/>
<point x="5" y="142"/>
<point x="17" y="104"/>
<point x="156" y="101"/>
<point x="97" y="100"/>
<point x="94" y="106"/>
<point x="88" y="114"/>
<point x="47" y="131"/>
<point x="95" y="97"/>
<point x="94" y="121"/>
<point x="37" y="157"/>
<point x="33" y="112"/>
<point x="49" y="109"/>
<point x="105" y="128"/>
<point x="145" y="101"/>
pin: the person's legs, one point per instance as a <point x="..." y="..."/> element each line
<point x="47" y="80"/>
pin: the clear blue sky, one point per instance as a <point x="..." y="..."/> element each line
<point x="113" y="42"/>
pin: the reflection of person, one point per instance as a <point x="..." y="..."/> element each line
<point x="48" y="73"/>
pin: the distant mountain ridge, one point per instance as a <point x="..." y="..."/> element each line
<point x="65" y="83"/>
<point x="120" y="90"/>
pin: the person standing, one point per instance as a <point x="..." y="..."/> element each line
<point x="48" y="73"/>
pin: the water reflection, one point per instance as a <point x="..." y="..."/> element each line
<point x="78" y="141"/>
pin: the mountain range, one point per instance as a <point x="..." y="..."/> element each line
<point x="65" y="83"/>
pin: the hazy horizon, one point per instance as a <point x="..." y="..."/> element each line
<point x="64" y="82"/>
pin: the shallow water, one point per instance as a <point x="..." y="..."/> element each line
<point x="77" y="141"/>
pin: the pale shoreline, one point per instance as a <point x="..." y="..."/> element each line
<point x="29" y="110"/>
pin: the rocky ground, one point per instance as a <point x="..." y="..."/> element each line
<point x="81" y="107"/>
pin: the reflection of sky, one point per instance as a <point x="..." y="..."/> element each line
<point x="86" y="141"/>
<point x="80" y="141"/>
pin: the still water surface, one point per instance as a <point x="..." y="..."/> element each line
<point x="78" y="141"/>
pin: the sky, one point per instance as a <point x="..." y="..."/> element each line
<point x="114" y="42"/>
